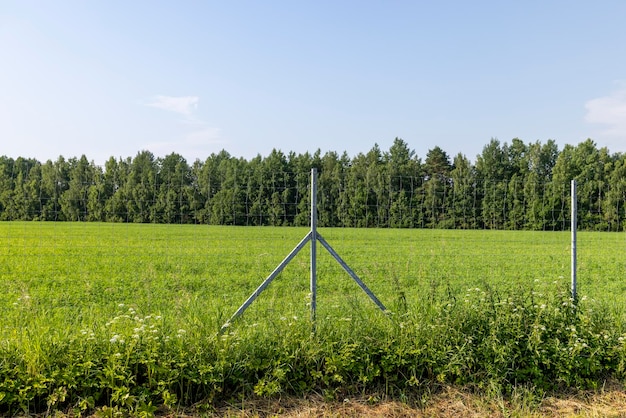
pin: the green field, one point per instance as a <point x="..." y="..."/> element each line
<point x="127" y="316"/>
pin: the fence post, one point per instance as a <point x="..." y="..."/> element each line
<point x="313" y="244"/>
<point x="311" y="237"/>
<point x="574" y="226"/>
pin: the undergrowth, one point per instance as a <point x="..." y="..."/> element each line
<point x="480" y="338"/>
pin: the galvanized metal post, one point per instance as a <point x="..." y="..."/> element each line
<point x="313" y="244"/>
<point x="574" y="227"/>
<point x="311" y="237"/>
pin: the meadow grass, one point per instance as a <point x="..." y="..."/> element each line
<point x="127" y="316"/>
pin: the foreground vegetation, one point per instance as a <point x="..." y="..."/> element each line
<point x="125" y="317"/>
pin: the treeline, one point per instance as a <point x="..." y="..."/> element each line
<point x="509" y="186"/>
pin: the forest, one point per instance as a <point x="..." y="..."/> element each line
<point x="511" y="186"/>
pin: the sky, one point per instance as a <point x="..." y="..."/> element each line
<point x="112" y="78"/>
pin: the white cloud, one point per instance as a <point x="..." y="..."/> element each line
<point x="185" y="105"/>
<point x="199" y="143"/>
<point x="609" y="111"/>
<point x="191" y="137"/>
<point x="203" y="136"/>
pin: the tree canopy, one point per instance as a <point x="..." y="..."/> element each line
<point x="510" y="186"/>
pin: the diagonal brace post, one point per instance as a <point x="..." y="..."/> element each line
<point x="352" y="274"/>
<point x="268" y="280"/>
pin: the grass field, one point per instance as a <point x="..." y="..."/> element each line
<point x="126" y="316"/>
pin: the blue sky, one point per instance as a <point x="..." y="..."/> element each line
<point x="111" y="78"/>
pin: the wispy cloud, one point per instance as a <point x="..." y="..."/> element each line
<point x="192" y="137"/>
<point x="609" y="111"/>
<point x="183" y="105"/>
<point x="198" y="143"/>
<point x="203" y="136"/>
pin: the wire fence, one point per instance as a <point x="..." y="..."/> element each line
<point x="345" y="200"/>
